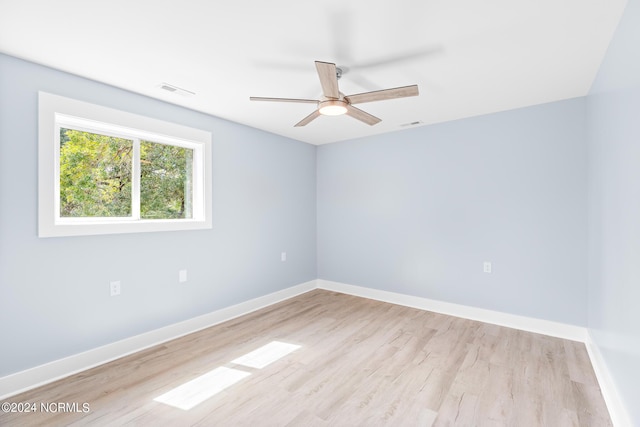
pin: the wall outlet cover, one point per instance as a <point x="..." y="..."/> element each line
<point x="114" y="288"/>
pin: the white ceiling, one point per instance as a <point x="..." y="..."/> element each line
<point x="468" y="57"/>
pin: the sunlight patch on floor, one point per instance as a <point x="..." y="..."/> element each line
<point x="196" y="391"/>
<point x="202" y="388"/>
<point x="266" y="354"/>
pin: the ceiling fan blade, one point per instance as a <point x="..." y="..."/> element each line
<point x="308" y="119"/>
<point x="365" y="117"/>
<point x="381" y="95"/>
<point x="328" y="79"/>
<point x="414" y="55"/>
<point x="306" y="101"/>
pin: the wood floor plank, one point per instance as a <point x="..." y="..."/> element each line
<point x="360" y="362"/>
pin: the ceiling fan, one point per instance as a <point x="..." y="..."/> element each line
<point x="335" y="103"/>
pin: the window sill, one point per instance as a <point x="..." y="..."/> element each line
<point x="68" y="228"/>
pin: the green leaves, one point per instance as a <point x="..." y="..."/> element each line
<point x="96" y="177"/>
<point x="165" y="181"/>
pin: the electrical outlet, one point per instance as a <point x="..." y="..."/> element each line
<point x="182" y="276"/>
<point x="283" y="256"/>
<point x="487" y="267"/>
<point x="115" y="288"/>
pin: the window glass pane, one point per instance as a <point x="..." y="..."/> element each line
<point x="95" y="175"/>
<point x="165" y="181"/>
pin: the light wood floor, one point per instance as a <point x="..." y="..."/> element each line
<point x="361" y="363"/>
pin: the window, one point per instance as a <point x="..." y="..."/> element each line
<point x="106" y="171"/>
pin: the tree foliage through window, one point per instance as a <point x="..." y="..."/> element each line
<point x="165" y="186"/>
<point x="96" y="177"/>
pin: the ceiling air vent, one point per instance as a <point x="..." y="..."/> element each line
<point x="171" y="88"/>
<point x="418" y="122"/>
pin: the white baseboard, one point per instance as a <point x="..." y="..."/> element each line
<point x="619" y="415"/>
<point x="34" y="377"/>
<point x="539" y="326"/>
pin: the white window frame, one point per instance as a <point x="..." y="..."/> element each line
<point x="57" y="111"/>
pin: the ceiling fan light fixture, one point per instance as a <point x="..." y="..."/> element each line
<point x="332" y="108"/>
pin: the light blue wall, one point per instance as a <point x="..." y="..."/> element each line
<point x="613" y="113"/>
<point x="418" y="211"/>
<point x="54" y="293"/>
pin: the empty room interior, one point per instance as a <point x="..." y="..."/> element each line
<point x="320" y="214"/>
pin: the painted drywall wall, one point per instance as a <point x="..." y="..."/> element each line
<point x="613" y="117"/>
<point x="419" y="211"/>
<point x="54" y="293"/>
